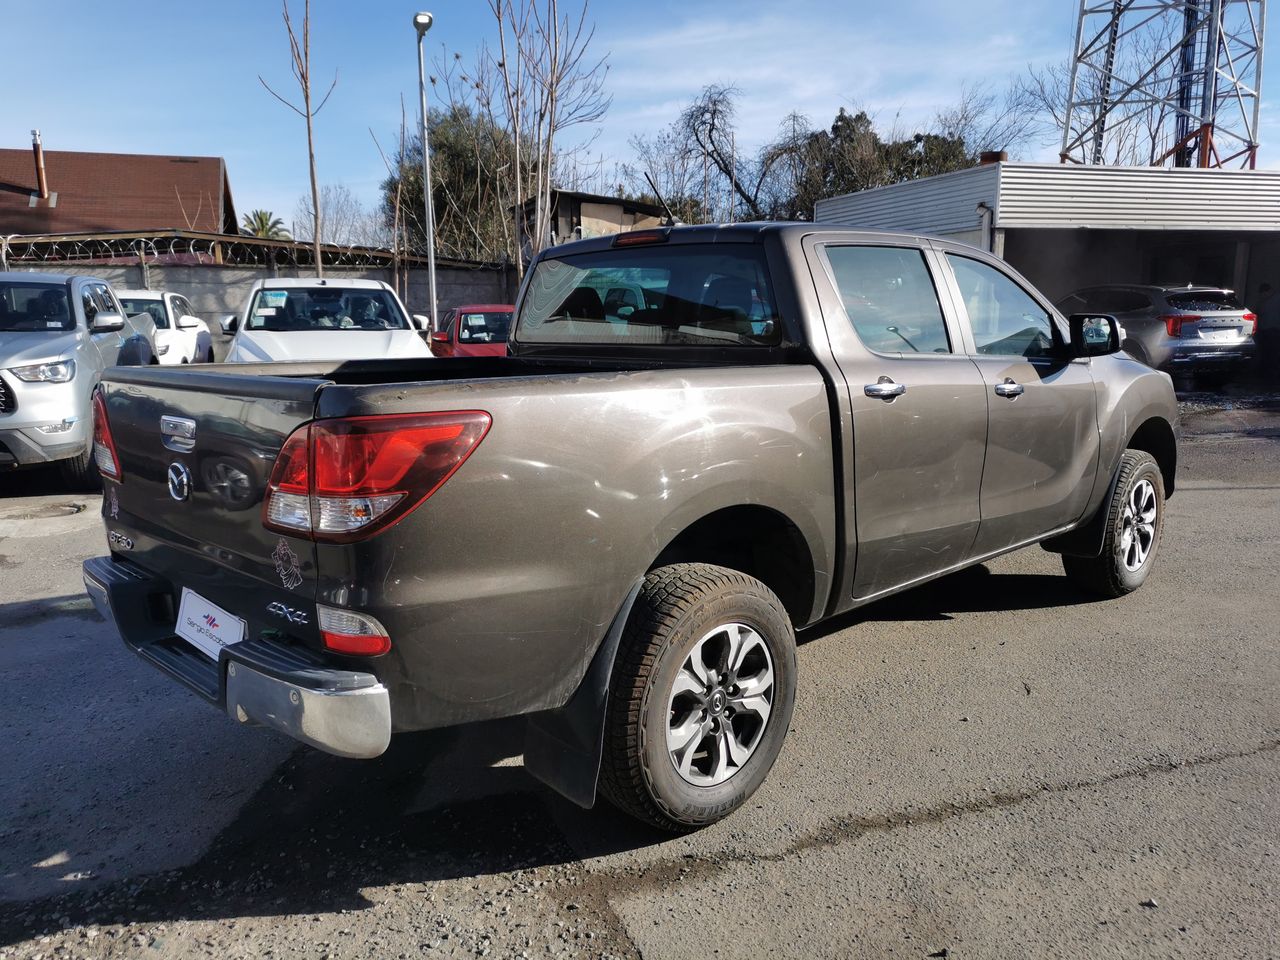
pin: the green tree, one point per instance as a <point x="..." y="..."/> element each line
<point x="263" y="223"/>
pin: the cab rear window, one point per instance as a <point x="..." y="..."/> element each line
<point x="669" y="295"/>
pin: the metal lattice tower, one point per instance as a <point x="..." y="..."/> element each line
<point x="1158" y="82"/>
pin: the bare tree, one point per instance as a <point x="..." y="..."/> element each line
<point x="343" y="219"/>
<point x="300" y="57"/>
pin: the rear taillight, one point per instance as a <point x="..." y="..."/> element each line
<point x="345" y="479"/>
<point x="1173" y="322"/>
<point x="104" y="448"/>
<point x="1252" y="320"/>
<point x="355" y="634"/>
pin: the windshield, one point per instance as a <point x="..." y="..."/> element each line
<point x="1202" y="300"/>
<point x="488" y="327"/>
<point x="134" y="306"/>
<point x="325" y="308"/>
<point x="652" y="296"/>
<point x="35" y="306"/>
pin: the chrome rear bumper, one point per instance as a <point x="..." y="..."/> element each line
<point x="343" y="712"/>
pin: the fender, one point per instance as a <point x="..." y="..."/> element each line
<point x="563" y="746"/>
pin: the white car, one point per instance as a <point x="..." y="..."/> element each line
<point x="322" y="319"/>
<point x="181" y="336"/>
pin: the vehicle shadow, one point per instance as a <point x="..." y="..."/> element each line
<point x="36" y="482"/>
<point x="972" y="590"/>
<point x="438" y="805"/>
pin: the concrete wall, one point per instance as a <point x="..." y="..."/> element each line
<point x="216" y="290"/>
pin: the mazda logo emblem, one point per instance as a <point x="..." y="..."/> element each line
<point x="179" y="481"/>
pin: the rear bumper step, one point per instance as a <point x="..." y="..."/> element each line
<point x="343" y="712"/>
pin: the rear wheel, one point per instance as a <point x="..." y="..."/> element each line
<point x="1135" y="520"/>
<point x="700" y="698"/>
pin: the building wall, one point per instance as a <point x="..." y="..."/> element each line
<point x="215" y="290"/>
<point x="942" y="206"/>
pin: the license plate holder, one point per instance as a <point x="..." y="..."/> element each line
<point x="207" y="626"/>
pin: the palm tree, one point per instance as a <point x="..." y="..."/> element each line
<point x="262" y="223"/>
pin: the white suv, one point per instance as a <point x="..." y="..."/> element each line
<point x="57" y="335"/>
<point x="181" y="336"/>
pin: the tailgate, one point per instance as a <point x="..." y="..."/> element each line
<point x="196" y="450"/>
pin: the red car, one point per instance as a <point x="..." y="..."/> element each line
<point x="474" y="330"/>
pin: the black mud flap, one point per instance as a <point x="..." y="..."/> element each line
<point x="563" y="746"/>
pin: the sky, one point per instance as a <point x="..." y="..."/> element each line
<point x="182" y="78"/>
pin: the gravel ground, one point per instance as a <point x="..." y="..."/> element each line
<point x="990" y="766"/>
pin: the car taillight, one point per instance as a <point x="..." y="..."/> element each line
<point x="1252" y="320"/>
<point x="352" y="633"/>
<point x="104" y="448"/>
<point x="1173" y="322"/>
<point x="345" y="479"/>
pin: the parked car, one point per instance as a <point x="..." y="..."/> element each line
<point x="317" y="319"/>
<point x="57" y="335"/>
<point x="181" y="336"/>
<point x="474" y="330"/>
<point x="615" y="531"/>
<point x="1204" y="331"/>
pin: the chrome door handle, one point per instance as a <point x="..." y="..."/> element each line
<point x="884" y="389"/>
<point x="1009" y="388"/>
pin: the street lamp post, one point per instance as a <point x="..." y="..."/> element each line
<point x="422" y="23"/>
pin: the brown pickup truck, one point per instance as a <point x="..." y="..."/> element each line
<point x="615" y="531"/>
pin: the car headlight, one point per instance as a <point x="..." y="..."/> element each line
<point x="162" y="349"/>
<point x="57" y="371"/>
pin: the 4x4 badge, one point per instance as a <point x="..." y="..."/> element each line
<point x="287" y="565"/>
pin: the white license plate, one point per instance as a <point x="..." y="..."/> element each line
<point x="1220" y="333"/>
<point x="205" y="625"/>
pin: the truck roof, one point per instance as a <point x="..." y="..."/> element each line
<point x="732" y="233"/>
<point x="359" y="284"/>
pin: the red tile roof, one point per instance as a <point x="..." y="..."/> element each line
<point x="98" y="192"/>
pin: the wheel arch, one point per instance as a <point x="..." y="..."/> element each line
<point x="1155" y="436"/>
<point x="756" y="540"/>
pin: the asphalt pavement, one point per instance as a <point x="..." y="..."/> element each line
<point x="993" y="765"/>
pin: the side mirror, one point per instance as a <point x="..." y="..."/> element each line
<point x="188" y="323"/>
<point x="104" y="322"/>
<point x="1094" y="334"/>
<point x="229" y="323"/>
<point x="440" y="336"/>
<point x="423" y="321"/>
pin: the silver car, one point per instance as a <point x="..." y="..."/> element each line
<point x="1200" y="330"/>
<point x="57" y="335"/>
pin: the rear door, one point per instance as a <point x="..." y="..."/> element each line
<point x="918" y="407"/>
<point x="1042" y="434"/>
<point x="196" y="451"/>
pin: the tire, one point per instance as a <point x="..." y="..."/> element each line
<point x="1135" y="517"/>
<point x="208" y="357"/>
<point x="80" y="473"/>
<point x="682" y="611"/>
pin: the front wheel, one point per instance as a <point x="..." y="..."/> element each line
<point x="1135" y="519"/>
<point x="700" y="698"/>
<point x="81" y="473"/>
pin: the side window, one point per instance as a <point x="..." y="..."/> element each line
<point x="1005" y="319"/>
<point x="889" y="298"/>
<point x="88" y="303"/>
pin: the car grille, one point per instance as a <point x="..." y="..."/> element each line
<point x="8" y="403"/>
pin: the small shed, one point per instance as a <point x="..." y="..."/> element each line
<point x="1069" y="226"/>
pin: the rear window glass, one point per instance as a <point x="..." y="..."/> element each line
<point x="1204" y="300"/>
<point x="662" y="295"/>
<point x="35" y="306"/>
<point x="325" y="308"/>
<point x="487" y="327"/>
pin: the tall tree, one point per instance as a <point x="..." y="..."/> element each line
<point x="264" y="223"/>
<point x="300" y="64"/>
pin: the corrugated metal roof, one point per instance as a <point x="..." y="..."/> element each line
<point x="944" y="204"/>
<point x="1052" y="195"/>
<point x="1055" y="195"/>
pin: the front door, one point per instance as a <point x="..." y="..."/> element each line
<point x="918" y="407"/>
<point x="1042" y="437"/>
